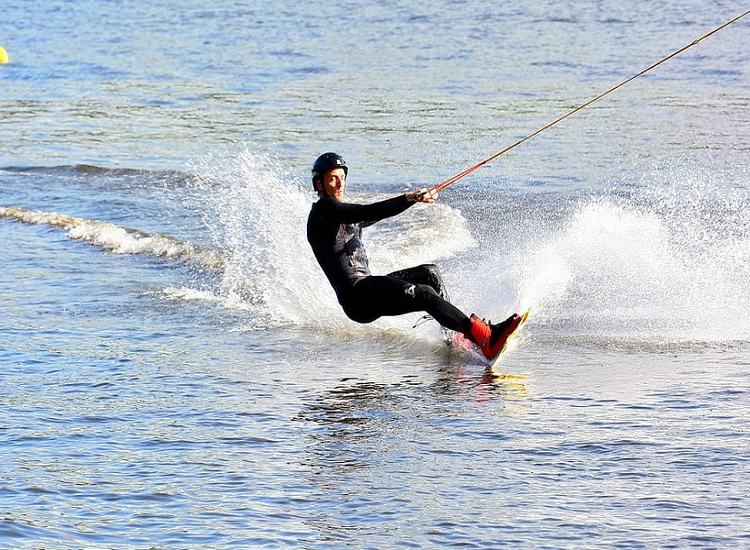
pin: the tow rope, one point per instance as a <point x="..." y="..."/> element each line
<point x="450" y="181"/>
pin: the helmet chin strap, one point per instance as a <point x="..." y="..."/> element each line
<point x="320" y="188"/>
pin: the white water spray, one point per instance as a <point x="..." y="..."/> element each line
<point x="670" y="264"/>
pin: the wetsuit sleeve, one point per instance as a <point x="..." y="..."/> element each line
<point x="345" y="213"/>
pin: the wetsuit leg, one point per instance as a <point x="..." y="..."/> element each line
<point x="426" y="274"/>
<point x="376" y="296"/>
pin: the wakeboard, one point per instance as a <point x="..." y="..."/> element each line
<point x="460" y="342"/>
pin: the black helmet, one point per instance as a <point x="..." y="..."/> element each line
<point x="327" y="162"/>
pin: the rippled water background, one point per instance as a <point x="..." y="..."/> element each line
<point x="175" y="373"/>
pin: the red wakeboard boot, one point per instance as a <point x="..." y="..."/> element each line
<point x="491" y="338"/>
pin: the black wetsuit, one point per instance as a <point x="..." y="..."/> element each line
<point x="334" y="230"/>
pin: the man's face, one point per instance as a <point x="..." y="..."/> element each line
<point x="334" y="183"/>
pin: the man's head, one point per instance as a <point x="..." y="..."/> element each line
<point x="329" y="175"/>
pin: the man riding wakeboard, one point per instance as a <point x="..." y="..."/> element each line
<point x="334" y="230"/>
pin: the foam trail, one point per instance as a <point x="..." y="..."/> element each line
<point x="119" y="240"/>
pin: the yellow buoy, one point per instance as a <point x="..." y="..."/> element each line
<point x="3" y="55"/>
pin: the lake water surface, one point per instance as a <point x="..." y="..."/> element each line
<point x="176" y="373"/>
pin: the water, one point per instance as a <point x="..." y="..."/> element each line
<point x="175" y="372"/>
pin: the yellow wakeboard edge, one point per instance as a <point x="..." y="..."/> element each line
<point x="512" y="335"/>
